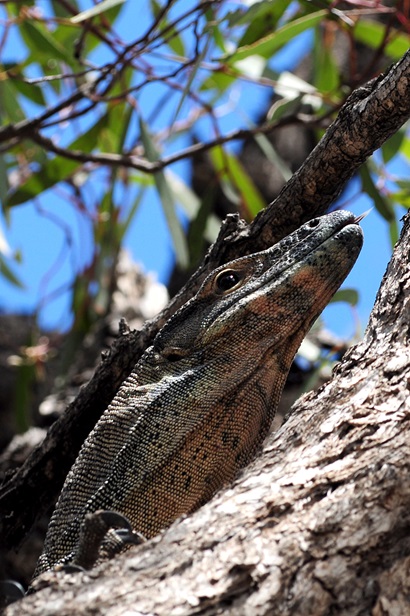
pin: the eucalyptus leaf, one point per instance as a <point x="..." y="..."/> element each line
<point x="99" y="8"/>
<point x="260" y="18"/>
<point x="269" y="44"/>
<point x="7" y="273"/>
<point x="171" y="37"/>
<point x="167" y="200"/>
<point x="31" y="91"/>
<point x="231" y="170"/>
<point x="373" y="33"/>
<point x="381" y="202"/>
<point x="392" y="146"/>
<point x="41" y="42"/>
<point x="350" y="296"/>
<point x="191" y="204"/>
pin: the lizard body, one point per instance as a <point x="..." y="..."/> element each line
<point x="200" y="401"/>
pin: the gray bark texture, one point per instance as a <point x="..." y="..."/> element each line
<point x="318" y="524"/>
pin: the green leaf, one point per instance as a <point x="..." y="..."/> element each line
<point x="394" y="233"/>
<point x="54" y="172"/>
<point x="261" y="17"/>
<point x="110" y="238"/>
<point x="233" y="174"/>
<point x="14" y="8"/>
<point x="42" y="43"/>
<point x="61" y="11"/>
<point x="8" y="274"/>
<point x="392" y="146"/>
<point x="351" y="296"/>
<point x="10" y="110"/>
<point x="268" y="45"/>
<point x="404" y="185"/>
<point x="214" y="23"/>
<point x="373" y="33"/>
<point x="327" y="78"/>
<point x="165" y="194"/>
<point x="30" y="91"/>
<point x="142" y="179"/>
<point x="267" y="148"/>
<point x="402" y="198"/>
<point x="381" y="202"/>
<point x="218" y="80"/>
<point x="170" y="37"/>
<point x="284" y="107"/>
<point x="405" y="147"/>
<point x="113" y="135"/>
<point x="4" y="180"/>
<point x="102" y="7"/>
<point x="57" y="169"/>
<point x="68" y="35"/>
<point x="191" y="204"/>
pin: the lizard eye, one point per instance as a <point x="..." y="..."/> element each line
<point x="227" y="280"/>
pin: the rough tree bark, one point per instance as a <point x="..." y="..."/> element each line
<point x="318" y="524"/>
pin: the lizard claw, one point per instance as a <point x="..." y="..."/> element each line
<point x="132" y="537"/>
<point x="99" y="539"/>
<point x="70" y="568"/>
<point x="111" y="519"/>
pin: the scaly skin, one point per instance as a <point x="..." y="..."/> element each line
<point x="200" y="401"/>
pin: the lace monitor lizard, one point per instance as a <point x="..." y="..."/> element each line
<point x="201" y="399"/>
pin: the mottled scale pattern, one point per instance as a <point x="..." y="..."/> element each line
<point x="200" y="401"/>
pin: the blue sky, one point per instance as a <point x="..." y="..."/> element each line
<point x="54" y="242"/>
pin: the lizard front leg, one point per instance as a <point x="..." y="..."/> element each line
<point x="104" y="534"/>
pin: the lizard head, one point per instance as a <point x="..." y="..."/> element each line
<point x="269" y="297"/>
